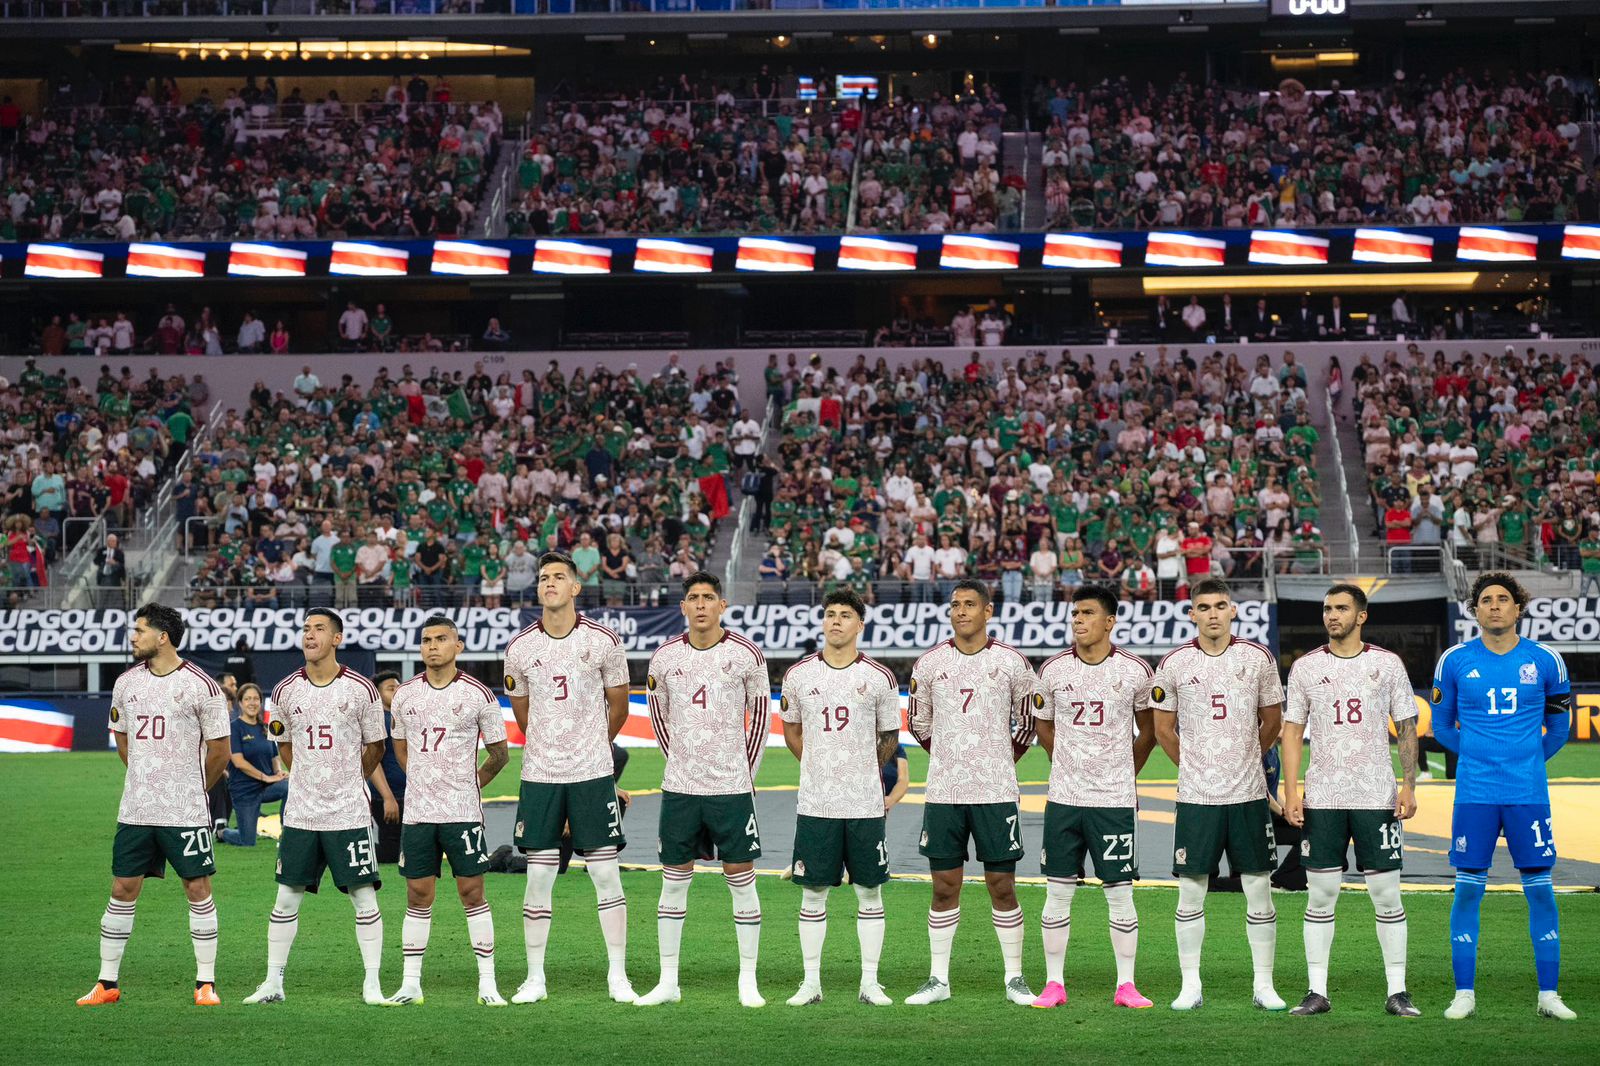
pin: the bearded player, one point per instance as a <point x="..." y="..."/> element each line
<point x="972" y="701"/>
<point x="171" y="725"/>
<point x="841" y="719"/>
<point x="710" y="701"/>
<point x="439" y="717"/>
<point x="1094" y="722"/>
<point x="1219" y="709"/>
<point x="1344" y="694"/>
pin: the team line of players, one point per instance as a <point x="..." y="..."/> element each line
<point x="1215" y="705"/>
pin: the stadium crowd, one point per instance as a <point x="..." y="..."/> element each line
<point x="73" y="452"/>
<point x="1417" y="150"/>
<point x="443" y="488"/>
<point x="1038" y="477"/>
<point x="146" y="163"/>
<point x="1497" y="453"/>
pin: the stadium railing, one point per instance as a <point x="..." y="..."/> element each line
<point x="301" y="594"/>
<point x="1413" y="558"/>
<point x="1352" y="535"/>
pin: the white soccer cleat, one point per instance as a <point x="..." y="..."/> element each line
<point x="873" y="995"/>
<point x="933" y="990"/>
<point x="269" y="992"/>
<point x="658" y="995"/>
<point x="529" y="991"/>
<point x="1268" y="999"/>
<point x="489" y="996"/>
<point x="407" y="996"/>
<point x="809" y="993"/>
<point x="750" y="996"/>
<point x="1018" y="992"/>
<point x="1550" y="1006"/>
<point x="621" y="990"/>
<point x="1465" y="1005"/>
<point x="373" y="997"/>
<point x="1189" y="999"/>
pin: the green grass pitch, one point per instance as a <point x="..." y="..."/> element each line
<point x="56" y="820"/>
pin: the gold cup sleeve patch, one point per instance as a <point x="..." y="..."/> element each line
<point x="275" y="727"/>
<point x="1436" y="696"/>
<point x="116" y="715"/>
<point x="650" y="682"/>
<point x="913" y="686"/>
<point x="1158" y="694"/>
<point x="1038" y="700"/>
<point x="511" y="683"/>
<point x="783" y="703"/>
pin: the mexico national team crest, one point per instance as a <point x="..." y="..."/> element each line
<point x="1180" y="856"/>
<point x="1529" y="674"/>
<point x="799" y="868"/>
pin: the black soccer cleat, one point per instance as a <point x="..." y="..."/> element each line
<point x="1400" y="1006"/>
<point x="1313" y="1004"/>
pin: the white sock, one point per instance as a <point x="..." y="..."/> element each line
<point x="1055" y="925"/>
<point x="203" y="932"/>
<point x="1124" y="929"/>
<point x="1384" y="888"/>
<point x="612" y="907"/>
<point x="480" y="930"/>
<point x="869" y="930"/>
<point x="1261" y="925"/>
<point x="669" y="919"/>
<point x="746" y="919"/>
<point x="1322" y="896"/>
<point x="281" y="930"/>
<point x="414" y="933"/>
<point x="1191" y="929"/>
<point x="1008" y="928"/>
<point x="369" y="929"/>
<point x="813" y="931"/>
<point x="116" y="925"/>
<point x="542" y="868"/>
<point x="941" y="933"/>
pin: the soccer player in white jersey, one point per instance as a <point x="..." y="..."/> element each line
<point x="972" y="701"/>
<point x="710" y="701"/>
<point x="1223" y="696"/>
<point x="1344" y="694"/>
<point x="1094" y="721"/>
<point x="328" y="720"/>
<point x="567" y="677"/>
<point x="841" y="719"/>
<point x="439" y="717"/>
<point x="171" y="725"/>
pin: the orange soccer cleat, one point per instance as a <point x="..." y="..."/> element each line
<point x="101" y="996"/>
<point x="205" y="995"/>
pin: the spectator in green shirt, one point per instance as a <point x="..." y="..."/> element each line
<point x="586" y="557"/>
<point x="343" y="559"/>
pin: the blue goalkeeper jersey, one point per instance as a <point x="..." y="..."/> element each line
<point x="1498" y="702"/>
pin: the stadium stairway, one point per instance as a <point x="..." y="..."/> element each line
<point x="1020" y="154"/>
<point x="491" y="221"/>
<point x="1336" y="503"/>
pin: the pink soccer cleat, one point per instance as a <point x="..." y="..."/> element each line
<point x="1128" y="996"/>
<point x="1053" y="996"/>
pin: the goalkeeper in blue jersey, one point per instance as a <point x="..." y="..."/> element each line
<point x="1502" y="704"/>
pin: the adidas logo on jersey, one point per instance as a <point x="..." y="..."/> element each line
<point x="1326" y="681"/>
<point x="1127" y="869"/>
<point x="1547" y="852"/>
<point x="1193" y="681"/>
<point x="1550" y="936"/>
<point x="1392" y="854"/>
<point x="1464" y="938"/>
<point x="1473" y="674"/>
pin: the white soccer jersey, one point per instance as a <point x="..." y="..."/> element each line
<point x="441" y="727"/>
<point x="327" y="727"/>
<point x="710" y="711"/>
<point x="1093" y="708"/>
<point x="167" y="718"/>
<point x="1345" y="705"/>
<point x="565" y="681"/>
<point x="840" y="712"/>
<point x="969" y="711"/>
<point x="1216" y="699"/>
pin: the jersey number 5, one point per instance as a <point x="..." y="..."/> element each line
<point x="1219" y="704"/>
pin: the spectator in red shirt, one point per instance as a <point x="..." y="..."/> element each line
<point x="118" y="514"/>
<point x="1397" y="532"/>
<point x="1196" y="548"/>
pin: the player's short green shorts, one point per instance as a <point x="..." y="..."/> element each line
<point x="424" y="845"/>
<point x="825" y="847"/>
<point x="588" y="809"/>
<point x="709" y="827"/>
<point x="1329" y="833"/>
<point x="1109" y="835"/>
<point x="994" y="828"/>
<point x="1204" y="833"/>
<point x="350" y="854"/>
<point x="145" y="850"/>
